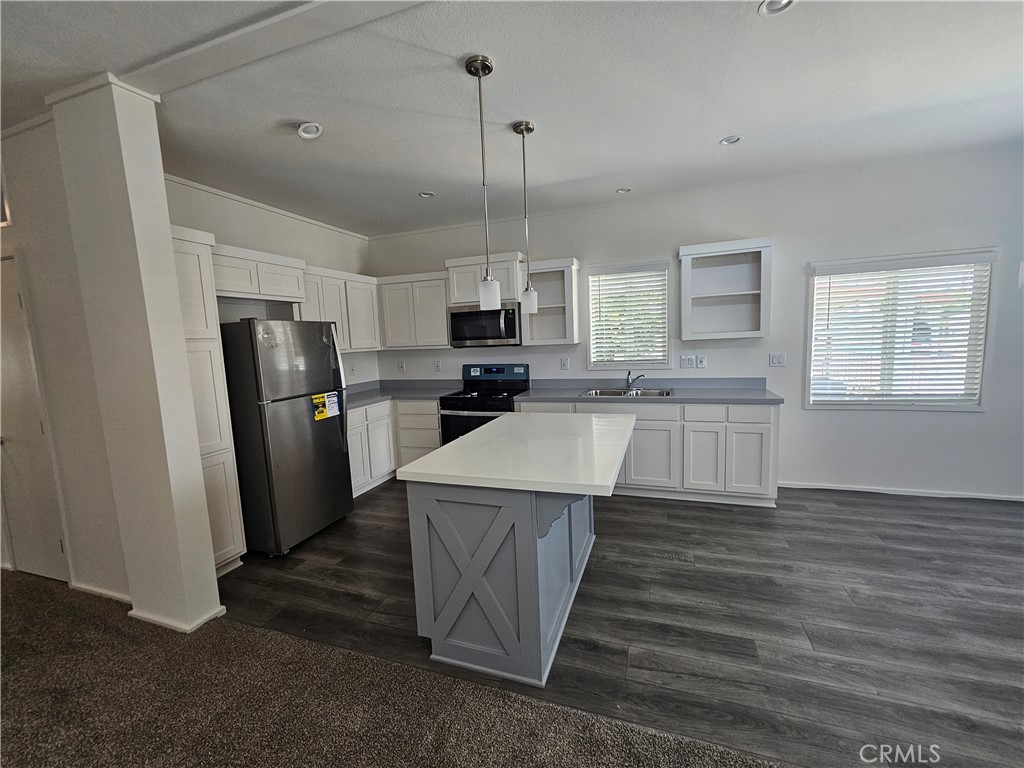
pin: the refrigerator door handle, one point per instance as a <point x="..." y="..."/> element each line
<point x="336" y="355"/>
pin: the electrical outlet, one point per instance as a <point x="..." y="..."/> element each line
<point x="401" y="366"/>
<point x="687" y="361"/>
<point x="352" y="369"/>
<point x="776" y="359"/>
<point x="702" y="361"/>
<point x="437" y="366"/>
<point x="565" y="363"/>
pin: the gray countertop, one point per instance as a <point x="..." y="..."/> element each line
<point x="361" y="395"/>
<point x="691" y="395"/>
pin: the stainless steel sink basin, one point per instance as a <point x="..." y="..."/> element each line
<point x="626" y="393"/>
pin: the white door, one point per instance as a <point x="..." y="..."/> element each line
<point x="748" y="458"/>
<point x="430" y="299"/>
<point x="465" y="283"/>
<point x="313" y="307"/>
<point x="381" y="443"/>
<point x="704" y="457"/>
<point x="196" y="291"/>
<point x="31" y="502"/>
<point x="652" y="458"/>
<point x="358" y="456"/>
<point x="221" y="484"/>
<point x="335" y="309"/>
<point x="209" y="395"/>
<point x="398" y="312"/>
<point x="363" y="319"/>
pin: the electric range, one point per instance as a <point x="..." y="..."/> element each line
<point x="488" y="392"/>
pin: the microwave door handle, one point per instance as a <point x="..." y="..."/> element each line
<point x="501" y="323"/>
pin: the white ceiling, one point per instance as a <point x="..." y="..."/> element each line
<point x="623" y="94"/>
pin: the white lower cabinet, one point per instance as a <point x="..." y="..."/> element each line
<point x="704" y="457"/>
<point x="748" y="449"/>
<point x="371" y="445"/>
<point x="652" y="458"/>
<point x="418" y="429"/>
<point x="220" y="479"/>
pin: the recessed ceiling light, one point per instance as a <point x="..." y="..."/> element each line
<point x="427" y="194"/>
<point x="310" y="130"/>
<point x="623" y="190"/>
<point x="772" y="7"/>
<point x="730" y="140"/>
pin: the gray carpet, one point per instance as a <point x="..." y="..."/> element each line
<point x="84" y="685"/>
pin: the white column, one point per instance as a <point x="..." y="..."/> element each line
<point x="117" y="205"/>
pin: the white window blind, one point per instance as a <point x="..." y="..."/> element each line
<point x="629" y="318"/>
<point x="912" y="335"/>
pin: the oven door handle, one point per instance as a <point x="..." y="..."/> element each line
<point x="474" y="413"/>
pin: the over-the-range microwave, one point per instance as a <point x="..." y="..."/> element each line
<point x="475" y="327"/>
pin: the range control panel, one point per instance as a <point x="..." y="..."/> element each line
<point x="502" y="372"/>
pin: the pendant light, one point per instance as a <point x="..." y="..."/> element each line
<point x="528" y="298"/>
<point x="479" y="66"/>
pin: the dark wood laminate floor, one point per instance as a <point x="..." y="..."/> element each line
<point x="799" y="634"/>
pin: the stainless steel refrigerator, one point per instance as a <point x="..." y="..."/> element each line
<point x="287" y="393"/>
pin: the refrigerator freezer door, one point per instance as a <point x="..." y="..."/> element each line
<point x="294" y="358"/>
<point x="311" y="482"/>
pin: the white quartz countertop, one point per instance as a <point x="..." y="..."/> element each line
<point x="555" y="452"/>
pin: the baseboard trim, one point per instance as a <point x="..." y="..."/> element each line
<point x="905" y="491"/>
<point x="228" y="566"/>
<point x="732" y="499"/>
<point x="374" y="483"/>
<point x="177" y="626"/>
<point x="102" y="592"/>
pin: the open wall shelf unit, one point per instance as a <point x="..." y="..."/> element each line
<point x="725" y="289"/>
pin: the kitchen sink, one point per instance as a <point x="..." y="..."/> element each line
<point x="626" y="393"/>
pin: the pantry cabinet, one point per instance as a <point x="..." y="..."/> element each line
<point x="197" y="287"/>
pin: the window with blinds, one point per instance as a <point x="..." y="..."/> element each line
<point x="905" y="332"/>
<point x="629" y="318"/>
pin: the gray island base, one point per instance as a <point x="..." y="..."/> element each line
<point x="501" y="528"/>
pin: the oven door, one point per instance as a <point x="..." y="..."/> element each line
<point x="485" y="328"/>
<point x="455" y="424"/>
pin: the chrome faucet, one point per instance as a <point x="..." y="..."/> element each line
<point x="630" y="381"/>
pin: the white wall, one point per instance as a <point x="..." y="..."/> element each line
<point x="40" y="239"/>
<point x="915" y="205"/>
<point x="248" y="224"/>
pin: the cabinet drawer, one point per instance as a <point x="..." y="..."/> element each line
<point x="414" y="421"/>
<point x="750" y="414"/>
<point x="356" y="416"/>
<point x="235" y="275"/>
<point x="546" y="408"/>
<point x="416" y="406"/>
<point x="419" y="438"/>
<point x="281" y="281"/>
<point x="407" y="454"/>
<point x="704" y="413"/>
<point x="378" y="411"/>
<point x="644" y="412"/>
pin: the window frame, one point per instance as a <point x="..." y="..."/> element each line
<point x="621" y="268"/>
<point x="982" y="255"/>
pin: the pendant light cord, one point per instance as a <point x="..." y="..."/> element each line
<point x="526" y="218"/>
<point x="483" y="166"/>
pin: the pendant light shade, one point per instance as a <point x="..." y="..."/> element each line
<point x="528" y="298"/>
<point x="480" y="66"/>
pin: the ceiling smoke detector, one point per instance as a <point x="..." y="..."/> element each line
<point x="772" y="7"/>
<point x="310" y="130"/>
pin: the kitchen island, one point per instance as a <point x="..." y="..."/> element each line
<point x="502" y="524"/>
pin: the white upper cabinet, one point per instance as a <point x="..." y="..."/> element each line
<point x="195" y="290"/>
<point x="464" y="276"/>
<point x="313" y="307"/>
<point x="363" y="319"/>
<point x="414" y="310"/>
<point x="557" y="318"/>
<point x="243" y="272"/>
<point x="335" y="309"/>
<point x="725" y="289"/>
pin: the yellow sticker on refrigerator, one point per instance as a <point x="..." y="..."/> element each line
<point x="325" y="406"/>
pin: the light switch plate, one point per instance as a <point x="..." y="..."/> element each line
<point x="401" y="366"/>
<point x="776" y="359"/>
<point x="437" y="366"/>
<point x="687" y="361"/>
<point x="702" y="361"/>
